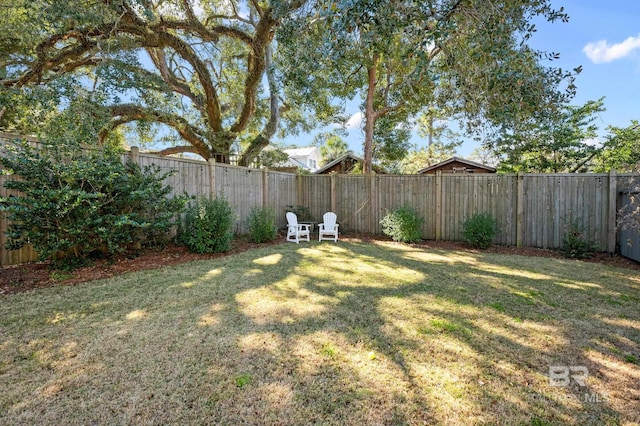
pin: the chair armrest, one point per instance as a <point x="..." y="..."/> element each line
<point x="302" y="226"/>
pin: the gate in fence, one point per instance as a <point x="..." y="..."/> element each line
<point x="629" y="238"/>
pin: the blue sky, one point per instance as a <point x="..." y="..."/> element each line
<point x="602" y="36"/>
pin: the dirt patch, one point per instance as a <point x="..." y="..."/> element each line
<point x="20" y="278"/>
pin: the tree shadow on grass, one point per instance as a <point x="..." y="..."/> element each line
<point x="341" y="333"/>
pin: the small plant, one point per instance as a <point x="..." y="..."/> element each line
<point x="575" y="244"/>
<point x="479" y="230"/>
<point x="402" y="224"/>
<point x="262" y="225"/>
<point x="59" y="276"/>
<point x="632" y="359"/>
<point x="243" y="380"/>
<point x="302" y="213"/>
<point x="497" y="306"/>
<point x="208" y="226"/>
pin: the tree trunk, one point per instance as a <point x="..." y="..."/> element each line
<point x="370" y="116"/>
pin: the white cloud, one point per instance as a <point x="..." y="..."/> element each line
<point x="601" y="51"/>
<point x="355" y="121"/>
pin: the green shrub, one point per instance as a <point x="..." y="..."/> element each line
<point x="75" y="204"/>
<point x="208" y="226"/>
<point x="402" y="224"/>
<point x="575" y="244"/>
<point x="302" y="213"/>
<point x="479" y="230"/>
<point x="262" y="225"/>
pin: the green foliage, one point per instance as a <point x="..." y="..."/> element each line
<point x="78" y="203"/>
<point x="575" y="243"/>
<point x="331" y="145"/>
<point x="402" y="56"/>
<point x="479" y="230"/>
<point x="243" y="380"/>
<point x="209" y="226"/>
<point x="557" y="143"/>
<point x="262" y="225"/>
<point x="402" y="224"/>
<point x="442" y="143"/>
<point x="201" y="85"/>
<point x="302" y="212"/>
<point x="621" y="150"/>
<point x="272" y="157"/>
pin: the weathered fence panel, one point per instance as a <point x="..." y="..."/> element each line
<point x="553" y="202"/>
<point x="314" y="192"/>
<point x="189" y="176"/>
<point x="353" y="202"/>
<point x="281" y="192"/>
<point x="414" y="191"/>
<point x="465" y="195"/>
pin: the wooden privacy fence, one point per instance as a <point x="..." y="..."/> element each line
<point x="532" y="210"/>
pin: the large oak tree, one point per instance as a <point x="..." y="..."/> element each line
<point x="195" y="66"/>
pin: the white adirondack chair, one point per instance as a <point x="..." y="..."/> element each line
<point x="328" y="229"/>
<point x="296" y="231"/>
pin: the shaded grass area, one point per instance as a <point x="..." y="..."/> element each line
<point x="346" y="333"/>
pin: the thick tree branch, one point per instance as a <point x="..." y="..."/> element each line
<point x="264" y="138"/>
<point x="158" y="57"/>
<point x="178" y="150"/>
<point x="126" y="113"/>
<point x="255" y="68"/>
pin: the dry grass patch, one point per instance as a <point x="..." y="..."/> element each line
<point x="346" y="333"/>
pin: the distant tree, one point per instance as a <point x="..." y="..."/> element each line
<point x="274" y="157"/>
<point x="564" y="141"/>
<point x="331" y="146"/>
<point x="484" y="156"/>
<point x="620" y="149"/>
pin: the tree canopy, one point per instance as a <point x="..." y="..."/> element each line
<point x="196" y="67"/>
<point x="224" y="75"/>
<point x="399" y="56"/>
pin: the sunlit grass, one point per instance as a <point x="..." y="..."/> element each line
<point x="346" y="333"/>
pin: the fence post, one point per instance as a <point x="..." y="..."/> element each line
<point x="613" y="211"/>
<point x="298" y="190"/>
<point x="333" y="192"/>
<point x="134" y="154"/>
<point x="373" y="201"/>
<point x="265" y="187"/>
<point x="519" y="209"/>
<point x="438" y="190"/>
<point x="212" y="178"/>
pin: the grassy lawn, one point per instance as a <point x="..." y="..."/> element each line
<point x="346" y="333"/>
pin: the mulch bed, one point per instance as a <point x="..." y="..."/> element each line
<point x="20" y="278"/>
